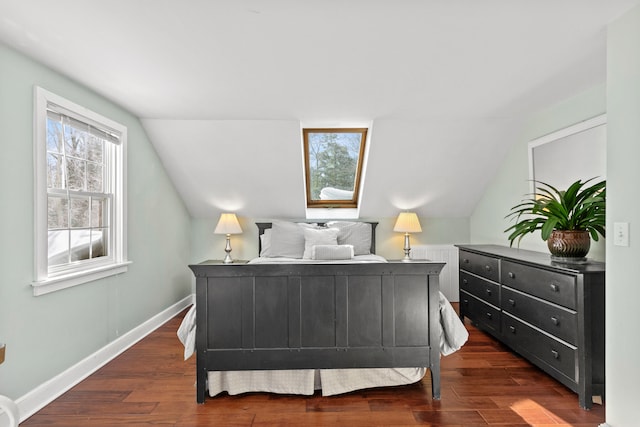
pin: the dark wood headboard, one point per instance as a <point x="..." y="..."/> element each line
<point x="264" y="225"/>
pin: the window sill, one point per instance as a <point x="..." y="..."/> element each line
<point x="57" y="283"/>
<point x="333" y="213"/>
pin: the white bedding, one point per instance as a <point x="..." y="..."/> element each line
<point x="358" y="259"/>
<point x="453" y="335"/>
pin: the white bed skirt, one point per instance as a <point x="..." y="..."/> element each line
<point x="306" y="381"/>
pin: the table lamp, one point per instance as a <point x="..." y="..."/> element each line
<point x="228" y="224"/>
<point x="406" y="223"/>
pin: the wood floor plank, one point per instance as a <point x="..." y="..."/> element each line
<point x="447" y="418"/>
<point x="508" y="416"/>
<point x="351" y="419"/>
<point x="483" y="384"/>
<point x="467" y="390"/>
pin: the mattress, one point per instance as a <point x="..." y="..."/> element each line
<point x="358" y="259"/>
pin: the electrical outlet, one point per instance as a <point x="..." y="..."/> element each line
<point x="621" y="233"/>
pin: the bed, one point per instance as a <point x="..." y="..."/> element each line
<point x="317" y="310"/>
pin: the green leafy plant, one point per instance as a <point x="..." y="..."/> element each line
<point x="579" y="207"/>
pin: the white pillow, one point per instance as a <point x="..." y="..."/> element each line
<point x="331" y="252"/>
<point x="287" y="239"/>
<point x="318" y="236"/>
<point x="357" y="234"/>
<point x="265" y="243"/>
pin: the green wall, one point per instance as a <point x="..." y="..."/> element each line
<point x="46" y="335"/>
<point x="623" y="205"/>
<point x="510" y="184"/>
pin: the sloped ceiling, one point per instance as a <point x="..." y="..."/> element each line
<point x="222" y="86"/>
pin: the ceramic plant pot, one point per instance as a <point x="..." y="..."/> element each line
<point x="569" y="245"/>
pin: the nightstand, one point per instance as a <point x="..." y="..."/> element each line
<point x="219" y="262"/>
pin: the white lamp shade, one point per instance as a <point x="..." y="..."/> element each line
<point x="407" y="222"/>
<point x="228" y="224"/>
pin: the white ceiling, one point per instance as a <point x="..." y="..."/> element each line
<point x="221" y="86"/>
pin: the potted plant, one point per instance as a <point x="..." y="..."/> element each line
<point x="567" y="219"/>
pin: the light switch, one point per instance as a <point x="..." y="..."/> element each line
<point x="621" y="233"/>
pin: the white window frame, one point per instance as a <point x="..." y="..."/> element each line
<point x="52" y="279"/>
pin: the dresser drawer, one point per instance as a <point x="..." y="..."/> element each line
<point x="480" y="312"/>
<point x="540" y="348"/>
<point x="481" y="265"/>
<point x="548" y="285"/>
<point x="483" y="289"/>
<point x="558" y="321"/>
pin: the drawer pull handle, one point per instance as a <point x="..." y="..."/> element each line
<point x="556" y="355"/>
<point x="554" y="287"/>
<point x="512" y="329"/>
<point x="465" y="261"/>
<point x="555" y="321"/>
<point x="512" y="302"/>
<point x="512" y="275"/>
<point x="488" y="291"/>
<point x="489" y="315"/>
<point x="465" y="301"/>
<point x="465" y="281"/>
<point x="487" y="267"/>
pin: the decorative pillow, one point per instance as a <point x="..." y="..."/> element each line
<point x="331" y="252"/>
<point x="357" y="234"/>
<point x="287" y="239"/>
<point x="318" y="236"/>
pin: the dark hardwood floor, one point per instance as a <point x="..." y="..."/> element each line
<point x="482" y="384"/>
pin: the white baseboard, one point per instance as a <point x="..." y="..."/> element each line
<point x="47" y="392"/>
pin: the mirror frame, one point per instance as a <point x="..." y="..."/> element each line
<point x="558" y="137"/>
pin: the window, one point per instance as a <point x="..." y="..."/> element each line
<point x="80" y="194"/>
<point x="333" y="165"/>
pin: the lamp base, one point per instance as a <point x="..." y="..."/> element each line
<point x="407" y="248"/>
<point x="227" y="249"/>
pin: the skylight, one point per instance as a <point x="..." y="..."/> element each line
<point x="333" y="161"/>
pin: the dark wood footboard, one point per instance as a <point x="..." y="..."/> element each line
<point x="317" y="316"/>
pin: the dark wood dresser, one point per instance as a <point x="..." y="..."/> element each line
<point x="552" y="314"/>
